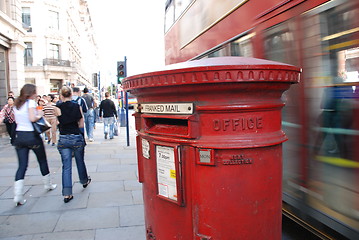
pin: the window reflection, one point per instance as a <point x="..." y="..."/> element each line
<point x="28" y="59"/>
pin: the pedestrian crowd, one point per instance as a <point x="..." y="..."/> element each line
<point x="69" y="116"/>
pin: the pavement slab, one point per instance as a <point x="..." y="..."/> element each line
<point x="110" y="199"/>
<point x="131" y="215"/>
<point x="17" y="225"/>
<point x="89" y="218"/>
<point x="76" y="235"/>
<point x="123" y="233"/>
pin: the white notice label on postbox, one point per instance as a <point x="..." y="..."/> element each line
<point x="167" y="108"/>
<point x="166" y="172"/>
<point x="145" y="149"/>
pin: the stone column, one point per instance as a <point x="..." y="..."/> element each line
<point x="16" y="66"/>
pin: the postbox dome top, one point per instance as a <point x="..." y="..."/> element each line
<point x="216" y="70"/>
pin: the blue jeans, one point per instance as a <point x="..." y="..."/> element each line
<point x="68" y="145"/>
<point x="89" y="122"/>
<point x="108" y="125"/>
<point x="24" y="142"/>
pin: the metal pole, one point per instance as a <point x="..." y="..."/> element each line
<point x="127" y="123"/>
<point x="99" y="86"/>
<point x="122" y="112"/>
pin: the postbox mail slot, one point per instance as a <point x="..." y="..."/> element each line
<point x="178" y="126"/>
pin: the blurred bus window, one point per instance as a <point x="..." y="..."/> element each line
<point x="279" y="45"/>
<point x="238" y="46"/>
<point x="331" y="63"/>
<point x="169" y="15"/>
<point x="174" y="10"/>
<point x="242" y="46"/>
<point x="180" y="7"/>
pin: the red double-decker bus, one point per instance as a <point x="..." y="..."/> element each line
<point x="321" y="116"/>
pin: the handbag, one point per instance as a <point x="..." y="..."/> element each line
<point x="6" y="120"/>
<point x="41" y="125"/>
<point x="115" y="129"/>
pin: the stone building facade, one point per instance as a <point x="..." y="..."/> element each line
<point x="11" y="48"/>
<point x="49" y="43"/>
<point x="60" y="44"/>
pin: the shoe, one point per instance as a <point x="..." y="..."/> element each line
<point x="105" y="135"/>
<point x="53" y="144"/>
<point x="48" y="142"/>
<point x="18" y="193"/>
<point x="68" y="198"/>
<point x="91" y="139"/>
<point x="111" y="137"/>
<point x="48" y="185"/>
<point x="88" y="182"/>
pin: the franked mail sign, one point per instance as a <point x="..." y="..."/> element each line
<point x="167" y="108"/>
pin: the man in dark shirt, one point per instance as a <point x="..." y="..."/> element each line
<point x="108" y="112"/>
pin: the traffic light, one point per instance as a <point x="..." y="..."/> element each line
<point x="121" y="71"/>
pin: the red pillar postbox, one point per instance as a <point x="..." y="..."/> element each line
<point x="209" y="148"/>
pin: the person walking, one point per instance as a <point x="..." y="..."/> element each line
<point x="79" y="100"/>
<point x="90" y="114"/>
<point x="27" y="139"/>
<point x="108" y="111"/>
<point x="40" y="107"/>
<point x="7" y="116"/>
<point x="49" y="114"/>
<point x="11" y="94"/>
<point x="71" y="141"/>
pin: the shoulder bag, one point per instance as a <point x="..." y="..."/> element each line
<point x="41" y="125"/>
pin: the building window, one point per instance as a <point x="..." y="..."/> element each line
<point x="30" y="80"/>
<point x="55" y="85"/>
<point x="54" y="51"/>
<point x="28" y="58"/>
<point x="53" y="20"/>
<point x="26" y="19"/>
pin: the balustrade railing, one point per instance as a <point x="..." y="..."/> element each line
<point x="57" y="62"/>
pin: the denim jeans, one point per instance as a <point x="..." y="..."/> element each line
<point x="24" y="142"/>
<point x="89" y="122"/>
<point x="68" y="145"/>
<point x="108" y="125"/>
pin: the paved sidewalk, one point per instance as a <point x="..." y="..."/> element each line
<point x="111" y="207"/>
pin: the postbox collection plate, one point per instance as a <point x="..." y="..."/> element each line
<point x="169" y="173"/>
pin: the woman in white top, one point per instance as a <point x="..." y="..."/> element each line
<point x="27" y="139"/>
